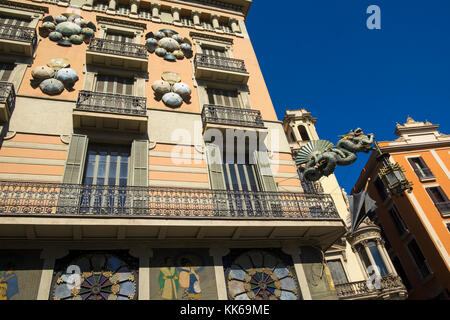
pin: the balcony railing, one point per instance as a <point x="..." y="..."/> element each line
<point x="18" y="33"/>
<point x="424" y="174"/>
<point x="443" y="207"/>
<point x="7" y="95"/>
<point x="231" y="116"/>
<point x="111" y="103"/>
<point x="118" y="48"/>
<point x="222" y="63"/>
<point x="360" y="290"/>
<point x="22" y="198"/>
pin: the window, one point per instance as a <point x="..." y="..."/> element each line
<point x="381" y="189"/>
<point x="100" y="6"/>
<point x="214" y="51"/>
<point x="419" y="258"/>
<point x="364" y="257"/>
<point x="106" y="165"/>
<point x="119" y="37"/>
<point x="221" y="97"/>
<point x="114" y="84"/>
<point x="5" y="71"/>
<point x="387" y="244"/>
<point x="14" y="21"/>
<point x="401" y="272"/>
<point x="240" y="176"/>
<point x="399" y="224"/>
<point x="337" y="271"/>
<point x="421" y="169"/>
<point x="439" y="199"/>
<point x="376" y="255"/>
<point x="303" y="133"/>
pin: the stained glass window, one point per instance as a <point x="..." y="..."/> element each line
<point x="95" y="276"/>
<point x="261" y="275"/>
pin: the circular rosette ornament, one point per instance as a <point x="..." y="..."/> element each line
<point x="67" y="29"/>
<point x="95" y="277"/>
<point x="261" y="275"/>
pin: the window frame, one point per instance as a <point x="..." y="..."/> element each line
<point x="423" y="165"/>
<point x="411" y="255"/>
<point x="394" y="208"/>
<point x="341" y="260"/>
<point x="441" y="191"/>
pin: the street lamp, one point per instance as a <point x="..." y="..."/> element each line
<point x="392" y="174"/>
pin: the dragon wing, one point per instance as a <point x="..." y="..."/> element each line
<point x="312" y="147"/>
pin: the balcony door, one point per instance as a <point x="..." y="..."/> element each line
<point x="117" y="91"/>
<point x="105" y="179"/>
<point x="5" y="71"/>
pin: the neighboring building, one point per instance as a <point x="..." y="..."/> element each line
<point x="110" y="188"/>
<point x="416" y="222"/>
<point x="351" y="256"/>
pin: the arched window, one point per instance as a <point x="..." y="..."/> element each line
<point x="303" y="133"/>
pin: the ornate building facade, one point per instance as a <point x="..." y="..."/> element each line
<point x="413" y="205"/>
<point x="348" y="259"/>
<point x="141" y="158"/>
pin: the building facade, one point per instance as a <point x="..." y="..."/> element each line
<point x="348" y="259"/>
<point x="415" y="222"/>
<point x="141" y="158"/>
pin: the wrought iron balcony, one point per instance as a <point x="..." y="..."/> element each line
<point x="231" y="116"/>
<point x="111" y="103"/>
<point x="389" y="284"/>
<point x="7" y="100"/>
<point x="224" y="63"/>
<point x="424" y="174"/>
<point x="118" y="48"/>
<point x="18" y="33"/>
<point x="444" y="208"/>
<point x="220" y="69"/>
<point x="24" y="199"/>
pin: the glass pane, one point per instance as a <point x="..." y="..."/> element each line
<point x="112" y="168"/>
<point x="101" y="171"/>
<point x="90" y="167"/>
<point x="364" y="257"/>
<point x="234" y="181"/>
<point x="225" y="172"/>
<point x="377" y="258"/>
<point x="244" y="184"/>
<point x="252" y="178"/>
<point x="123" y="169"/>
<point x="337" y="272"/>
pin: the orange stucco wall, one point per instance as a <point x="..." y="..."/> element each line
<point x="242" y="49"/>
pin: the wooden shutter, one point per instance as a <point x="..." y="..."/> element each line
<point x="264" y="170"/>
<point x="73" y="172"/>
<point x="215" y="167"/>
<point x="139" y="157"/>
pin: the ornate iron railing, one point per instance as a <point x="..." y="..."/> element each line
<point x="117" y="47"/>
<point x="443" y="207"/>
<point x="18" y="33"/>
<point x="111" y="103"/>
<point x="7" y="95"/>
<point x="424" y="174"/>
<point x="360" y="290"/>
<point x="24" y="198"/>
<point x="222" y="63"/>
<point x="231" y="116"/>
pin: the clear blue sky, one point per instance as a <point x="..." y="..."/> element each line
<point x="319" y="55"/>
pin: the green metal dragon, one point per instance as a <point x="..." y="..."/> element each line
<point x="319" y="158"/>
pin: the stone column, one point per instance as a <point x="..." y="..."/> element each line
<point x="88" y="5"/>
<point x="215" y="23"/>
<point x="217" y="254"/>
<point x="112" y="7"/>
<point x="144" y="255"/>
<point x="196" y="19"/>
<point x="134" y="6"/>
<point x="176" y="16"/>
<point x="234" y="24"/>
<point x="50" y="255"/>
<point x="294" y="252"/>
<point x="155" y="12"/>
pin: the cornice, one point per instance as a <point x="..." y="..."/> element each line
<point x="119" y="22"/>
<point x="20" y="5"/>
<point x="210" y="37"/>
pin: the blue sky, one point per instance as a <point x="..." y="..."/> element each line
<point x="319" y="55"/>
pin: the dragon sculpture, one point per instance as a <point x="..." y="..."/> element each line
<point x="320" y="157"/>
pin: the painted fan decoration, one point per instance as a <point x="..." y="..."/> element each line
<point x="311" y="149"/>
